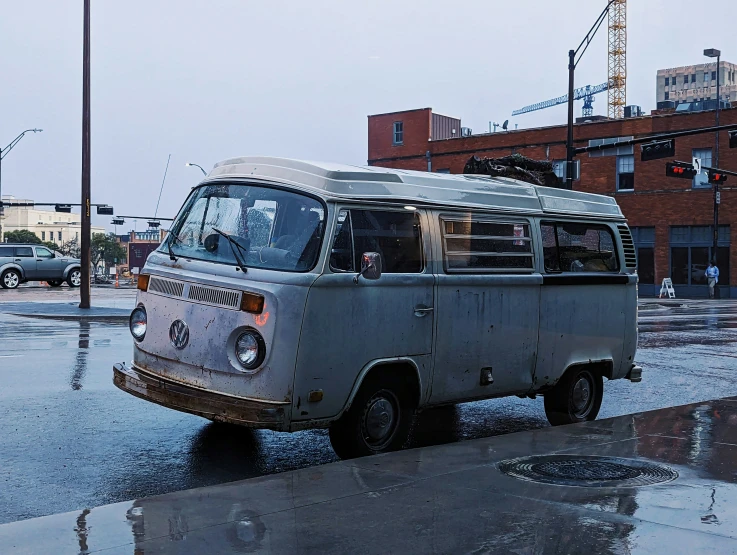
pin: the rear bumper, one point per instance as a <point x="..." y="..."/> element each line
<point x="635" y="374"/>
<point x="208" y="404"/>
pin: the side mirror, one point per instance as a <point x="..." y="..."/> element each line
<point x="370" y="266"/>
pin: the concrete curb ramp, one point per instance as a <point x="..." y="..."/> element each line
<point x="444" y="499"/>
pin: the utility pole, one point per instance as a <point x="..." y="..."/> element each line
<point x="714" y="53"/>
<point x="86" y="165"/>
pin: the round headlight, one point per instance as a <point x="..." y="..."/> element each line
<point x="138" y="323"/>
<point x="249" y="349"/>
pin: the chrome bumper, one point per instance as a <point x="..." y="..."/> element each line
<point x="214" y="406"/>
<point x="635" y="374"/>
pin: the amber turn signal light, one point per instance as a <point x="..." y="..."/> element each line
<point x="250" y="302"/>
<point x="143" y="282"/>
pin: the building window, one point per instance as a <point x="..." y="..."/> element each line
<point x="693" y="77"/>
<point x="625" y="173"/>
<point x="43" y="236"/>
<point x="59" y="236"/>
<point x="713" y="75"/>
<point x="667" y="81"/>
<point x="644" y="239"/>
<point x="667" y="96"/>
<point x="560" y="169"/>
<point x="398" y="133"/>
<point x="706" y="76"/>
<point x="703" y="154"/>
<point x="692" y="249"/>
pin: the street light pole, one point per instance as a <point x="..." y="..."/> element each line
<point x="3" y="153"/>
<point x="84" y="301"/>
<point x="188" y="164"/>
<point x="714" y="53"/>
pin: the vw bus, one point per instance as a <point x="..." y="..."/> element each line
<point x="292" y="295"/>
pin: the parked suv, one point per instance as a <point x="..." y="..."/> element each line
<point x="21" y="263"/>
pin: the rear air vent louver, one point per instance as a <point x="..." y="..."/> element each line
<point x="211" y="295"/>
<point x="166" y="287"/>
<point x="630" y="255"/>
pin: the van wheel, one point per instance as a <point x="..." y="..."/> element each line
<point x="575" y="398"/>
<point x="75" y="278"/>
<point x="10" y="279"/>
<point x="378" y="420"/>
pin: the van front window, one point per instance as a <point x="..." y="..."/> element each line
<point x="270" y="228"/>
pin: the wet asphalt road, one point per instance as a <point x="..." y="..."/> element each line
<point x="70" y="439"/>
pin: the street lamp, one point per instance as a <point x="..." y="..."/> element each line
<point x="714" y="53"/>
<point x="3" y="153"/>
<point x="188" y="164"/>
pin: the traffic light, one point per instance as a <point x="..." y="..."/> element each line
<point x="715" y="176"/>
<point x="118" y="221"/>
<point x="104" y="210"/>
<point x="677" y="169"/>
<point x="63" y="208"/>
<point x="154" y="224"/>
<point x="658" y="149"/>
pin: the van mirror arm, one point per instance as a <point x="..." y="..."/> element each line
<point x="370" y="266"/>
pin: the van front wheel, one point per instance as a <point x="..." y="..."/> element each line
<point x="575" y="398"/>
<point x="378" y="420"/>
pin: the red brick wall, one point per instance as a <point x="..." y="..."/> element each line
<point x="657" y="200"/>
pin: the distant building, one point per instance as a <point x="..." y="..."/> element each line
<point x="55" y="227"/>
<point x="696" y="83"/>
<point x="140" y="244"/>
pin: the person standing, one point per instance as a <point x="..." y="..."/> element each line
<point x="712" y="278"/>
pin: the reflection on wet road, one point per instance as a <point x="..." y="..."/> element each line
<point x="72" y="440"/>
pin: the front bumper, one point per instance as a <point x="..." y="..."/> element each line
<point x="208" y="404"/>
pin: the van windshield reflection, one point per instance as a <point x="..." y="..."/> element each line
<point x="274" y="229"/>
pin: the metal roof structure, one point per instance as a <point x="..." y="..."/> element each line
<point x="360" y="183"/>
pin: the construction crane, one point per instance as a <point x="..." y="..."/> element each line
<point x="586" y="93"/>
<point x="617" y="58"/>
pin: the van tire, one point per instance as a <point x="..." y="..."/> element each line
<point x="363" y="429"/>
<point x="576" y="397"/>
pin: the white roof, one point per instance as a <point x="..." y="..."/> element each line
<point x="344" y="182"/>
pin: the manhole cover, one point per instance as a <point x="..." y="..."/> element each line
<point x="587" y="471"/>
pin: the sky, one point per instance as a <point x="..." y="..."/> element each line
<point x="207" y="80"/>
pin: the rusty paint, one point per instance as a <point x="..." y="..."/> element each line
<point x="261" y="319"/>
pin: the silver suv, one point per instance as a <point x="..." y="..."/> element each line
<point x="21" y="263"/>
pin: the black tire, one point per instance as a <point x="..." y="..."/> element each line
<point x="10" y="279"/>
<point x="75" y="277"/>
<point x="378" y="420"/>
<point x="55" y="282"/>
<point x="576" y="397"/>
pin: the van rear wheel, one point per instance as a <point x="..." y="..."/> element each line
<point x="378" y="420"/>
<point x="575" y="398"/>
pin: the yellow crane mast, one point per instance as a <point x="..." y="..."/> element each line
<point x="617" y="59"/>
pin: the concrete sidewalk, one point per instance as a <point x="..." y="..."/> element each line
<point x="453" y="498"/>
<point x="68" y="311"/>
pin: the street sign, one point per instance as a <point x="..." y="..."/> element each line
<point x="697" y="164"/>
<point x="719" y="197"/>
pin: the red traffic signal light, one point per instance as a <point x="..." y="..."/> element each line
<point x="716" y="176"/>
<point x="675" y="169"/>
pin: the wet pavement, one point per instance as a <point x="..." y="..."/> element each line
<point x="453" y="498"/>
<point x="72" y="440"/>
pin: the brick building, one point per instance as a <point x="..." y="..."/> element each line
<point x="671" y="218"/>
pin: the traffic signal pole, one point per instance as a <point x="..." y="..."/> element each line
<point x="84" y="300"/>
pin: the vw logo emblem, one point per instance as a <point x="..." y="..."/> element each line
<point x="179" y="334"/>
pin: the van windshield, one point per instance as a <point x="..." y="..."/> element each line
<point x="270" y="228"/>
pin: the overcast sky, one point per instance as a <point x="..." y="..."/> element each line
<point x="205" y="80"/>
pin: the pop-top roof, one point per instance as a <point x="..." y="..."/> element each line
<point x="336" y="181"/>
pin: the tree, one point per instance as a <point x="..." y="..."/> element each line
<point x="71" y="248"/>
<point x="22" y="236"/>
<point x="106" y="249"/>
<point x="50" y="245"/>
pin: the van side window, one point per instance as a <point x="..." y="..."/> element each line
<point x="394" y="235"/>
<point x="576" y="247"/>
<point x="24" y="252"/>
<point x="474" y="246"/>
<point x="6" y="252"/>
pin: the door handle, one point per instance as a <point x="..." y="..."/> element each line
<point x="17" y="260"/>
<point x="421" y="311"/>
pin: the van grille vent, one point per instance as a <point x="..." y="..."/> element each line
<point x="211" y="295"/>
<point x="166" y="287"/>
<point x="630" y="255"/>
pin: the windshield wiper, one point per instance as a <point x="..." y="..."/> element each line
<point x="232" y="242"/>
<point x="173" y="239"/>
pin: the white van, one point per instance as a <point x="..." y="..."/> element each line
<point x="292" y="295"/>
